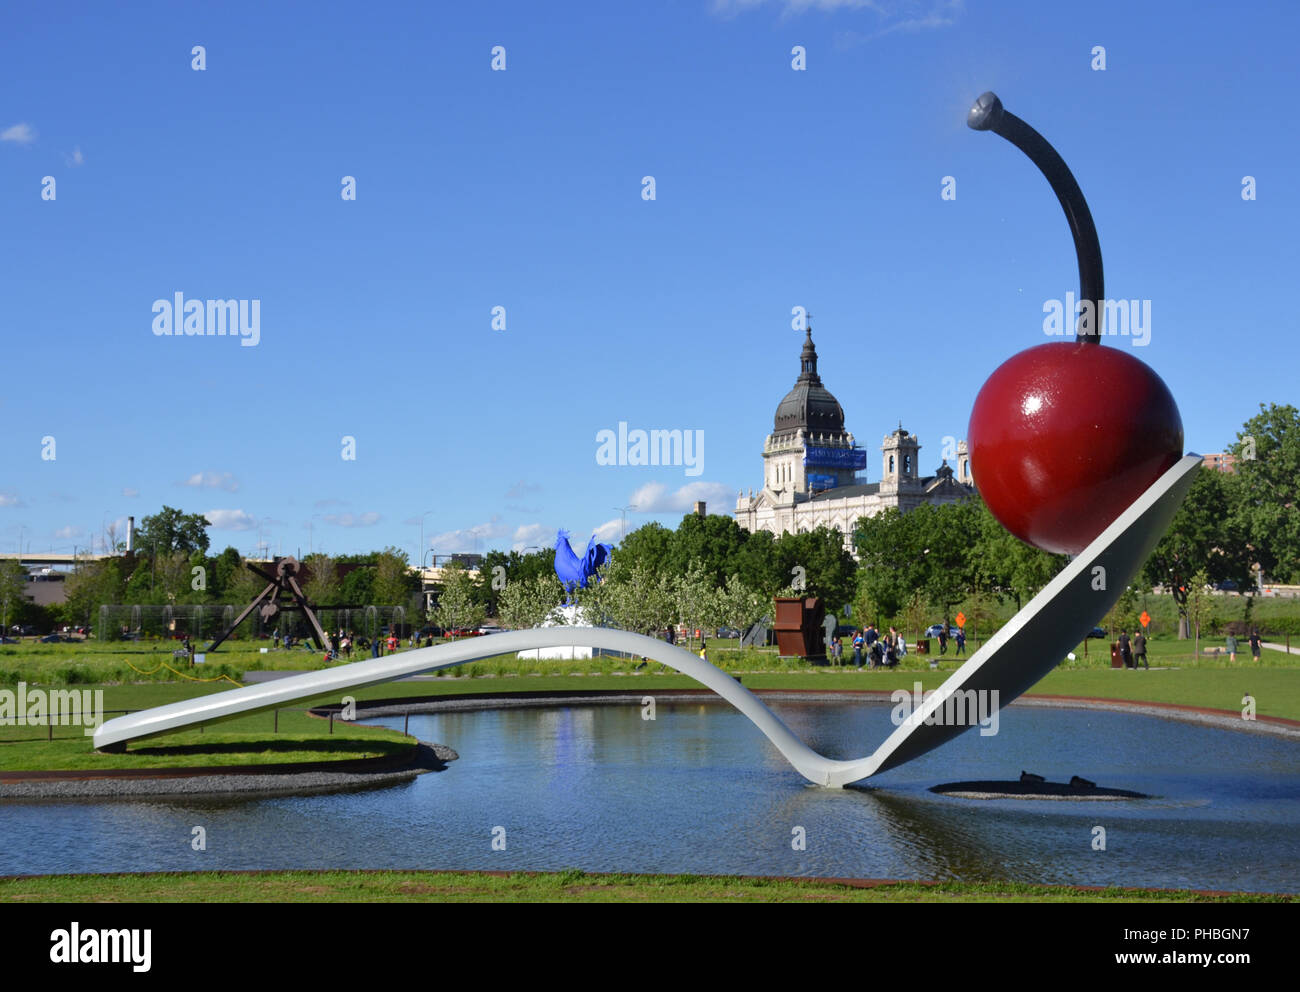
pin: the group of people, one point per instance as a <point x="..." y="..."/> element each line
<point x="959" y="639"/>
<point x="877" y="649"/>
<point x="1133" y="651"/>
<point x="1253" y="640"/>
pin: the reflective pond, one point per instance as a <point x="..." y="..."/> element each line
<point x="698" y="789"/>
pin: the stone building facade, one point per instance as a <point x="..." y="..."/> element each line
<point x="811" y="465"/>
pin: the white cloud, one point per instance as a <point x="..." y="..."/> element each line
<point x="67" y="533"/>
<point x="76" y="158"/>
<point x="608" y="532"/>
<point x="130" y="493"/>
<point x="462" y="540"/>
<point x="231" y="519"/>
<point x="329" y="502"/>
<point x="367" y="519"/>
<point x="532" y="535"/>
<point x="20" y="134"/>
<point x="654" y="497"/>
<point x="10" y="499"/>
<point x="212" y="480"/>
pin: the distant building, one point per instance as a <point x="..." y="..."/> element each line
<point x="1222" y="462"/>
<point x="810" y="466"/>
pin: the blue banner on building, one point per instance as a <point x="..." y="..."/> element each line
<point x="854" y="458"/>
<point x="821" y="481"/>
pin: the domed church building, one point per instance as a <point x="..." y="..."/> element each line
<point x="811" y="465"/>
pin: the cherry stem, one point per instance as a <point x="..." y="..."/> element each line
<point x="988" y="114"/>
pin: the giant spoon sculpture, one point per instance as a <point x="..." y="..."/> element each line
<point x="1076" y="448"/>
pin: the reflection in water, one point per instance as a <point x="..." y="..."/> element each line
<point x="699" y="789"/>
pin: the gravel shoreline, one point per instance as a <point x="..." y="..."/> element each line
<point x="427" y="757"/>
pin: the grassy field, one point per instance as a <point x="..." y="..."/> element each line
<point x="92" y="663"/>
<point x="566" y="886"/>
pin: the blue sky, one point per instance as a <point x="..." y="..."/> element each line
<point x="522" y="189"/>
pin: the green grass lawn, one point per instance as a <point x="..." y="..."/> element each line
<point x="250" y="740"/>
<point x="566" y="886"/>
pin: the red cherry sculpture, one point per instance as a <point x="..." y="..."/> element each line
<point x="1065" y="436"/>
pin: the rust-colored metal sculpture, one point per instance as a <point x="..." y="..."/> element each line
<point x="280" y="585"/>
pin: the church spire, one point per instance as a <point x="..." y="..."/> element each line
<point x="808" y="357"/>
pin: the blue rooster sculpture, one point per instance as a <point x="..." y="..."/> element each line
<point x="573" y="571"/>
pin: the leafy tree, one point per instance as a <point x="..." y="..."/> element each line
<point x="632" y="596"/>
<point x="456" y="601"/>
<point x="526" y="602"/>
<point x="323" y="585"/>
<point x="222" y="571"/>
<point x="1003" y="562"/>
<point x="889" y="561"/>
<point x="948" y="533"/>
<point x="828" y="570"/>
<point x="1203" y="534"/>
<point x="1268" y="508"/>
<point x="712" y="540"/>
<point x="172" y="530"/>
<point x="695" y="600"/>
<point x="758" y="566"/>
<point x="515" y="567"/>
<point x="650" y="545"/>
<point x="741" y="606"/>
<point x="13" y="591"/>
<point x="1198" y="606"/>
<point x="243" y="585"/>
<point x="358" y="586"/>
<point x="1124" y="614"/>
<point x="394" y="582"/>
<point x="141" y="583"/>
<point x="173" y="575"/>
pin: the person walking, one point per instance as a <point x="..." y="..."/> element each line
<point x="858" y="641"/>
<point x="961" y="642"/>
<point x="891" y="648"/>
<point x="943" y="639"/>
<point x="1232" y="647"/>
<point x="1254" y="644"/>
<point x="1140" y="649"/>
<point x="837" y="650"/>
<point x="1126" y="649"/>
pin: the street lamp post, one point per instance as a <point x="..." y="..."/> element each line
<point x="422" y="548"/>
<point x="623" y="527"/>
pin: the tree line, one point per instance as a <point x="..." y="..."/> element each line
<point x="913" y="567"/>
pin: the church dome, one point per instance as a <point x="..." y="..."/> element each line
<point x="809" y="405"/>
